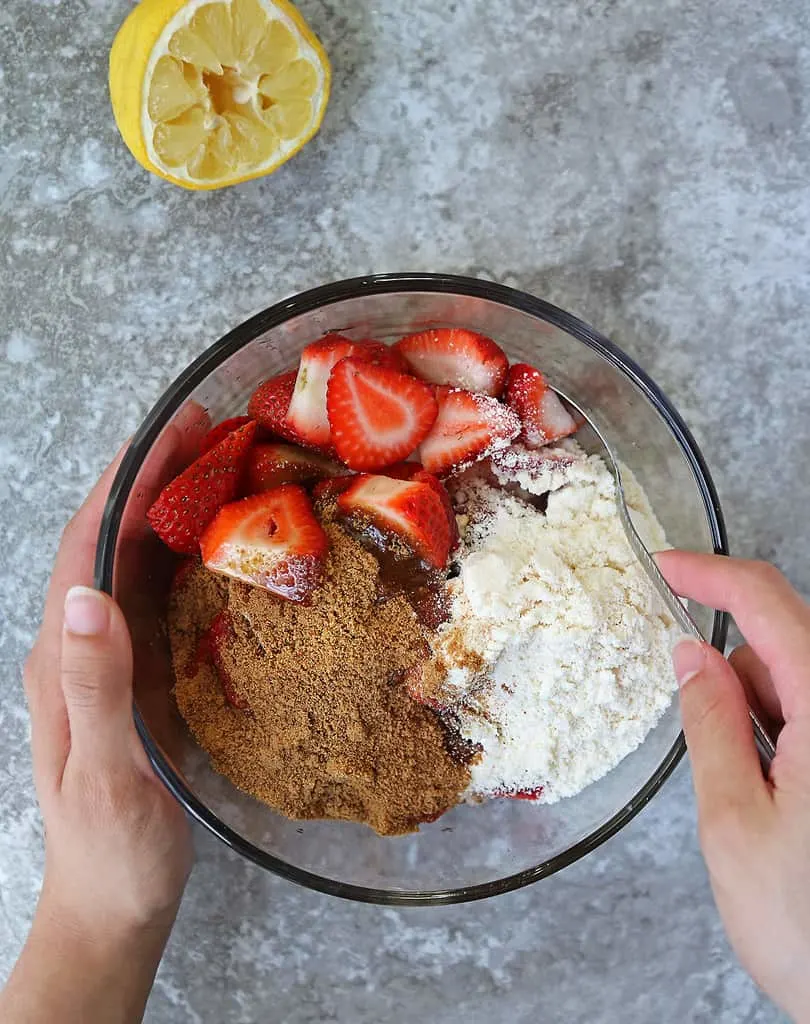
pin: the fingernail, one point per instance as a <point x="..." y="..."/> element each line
<point x="86" y="612"/>
<point x="688" y="658"/>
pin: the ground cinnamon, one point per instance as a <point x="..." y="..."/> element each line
<point x="332" y="731"/>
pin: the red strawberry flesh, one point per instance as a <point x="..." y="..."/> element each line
<point x="326" y="491"/>
<point x="410" y="515"/>
<point x="522" y="794"/>
<point x="270" y="401"/>
<point x="221" y="431"/>
<point x="270" y="540"/>
<point x="376" y="352"/>
<point x="220" y="637"/>
<point x="377" y="416"/>
<point x="543" y="416"/>
<point x="270" y="465"/>
<point x="468" y="428"/>
<point x="457" y="357"/>
<point x="307" y="416"/>
<point x="416" y="471"/>
<point x="189" y="503"/>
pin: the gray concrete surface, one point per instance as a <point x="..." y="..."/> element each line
<point x="643" y="163"/>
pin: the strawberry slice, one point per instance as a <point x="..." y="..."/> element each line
<point x="270" y="540"/>
<point x="522" y="794"/>
<point x="270" y="465"/>
<point x="468" y="428"/>
<point x="414" y="682"/>
<point x="307" y="413"/>
<point x="186" y="506"/>
<point x="270" y="401"/>
<point x="406" y="512"/>
<point x="458" y="357"/>
<point x="416" y="471"/>
<point x="376" y="352"/>
<point x="544" y="417"/>
<point x="327" y="491"/>
<point x="377" y="416"/>
<point x="220" y="637"/>
<point x="221" y="431"/>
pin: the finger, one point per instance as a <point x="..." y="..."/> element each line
<point x="96" y="679"/>
<point x="50" y="735"/>
<point x="771" y="615"/>
<point x="718" y="733"/>
<point x="77" y="551"/>
<point x="756" y="678"/>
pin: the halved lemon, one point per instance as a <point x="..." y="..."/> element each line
<point x="208" y="94"/>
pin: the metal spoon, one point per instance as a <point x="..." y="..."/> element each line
<point x="765" y="745"/>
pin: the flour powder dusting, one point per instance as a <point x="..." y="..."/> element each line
<point x="556" y="657"/>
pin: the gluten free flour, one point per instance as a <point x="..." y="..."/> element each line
<point x="556" y="656"/>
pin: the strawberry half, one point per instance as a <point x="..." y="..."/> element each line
<point x="468" y="428"/>
<point x="270" y="401"/>
<point x="377" y="416"/>
<point x="219" y="637"/>
<point x="416" y="471"/>
<point x="544" y="417"/>
<point x="376" y="352"/>
<point x="408" y="512"/>
<point x="270" y="465"/>
<point x="270" y="540"/>
<point x="221" y="431"/>
<point x="187" y="505"/>
<point x="325" y="492"/>
<point x="455" y="356"/>
<point x="307" y="413"/>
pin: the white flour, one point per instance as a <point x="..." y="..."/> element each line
<point x="575" y="644"/>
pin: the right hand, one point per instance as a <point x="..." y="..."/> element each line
<point x="755" y="834"/>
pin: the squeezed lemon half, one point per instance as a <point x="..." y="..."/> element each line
<point x="210" y="94"/>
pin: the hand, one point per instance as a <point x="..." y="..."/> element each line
<point x="755" y="833"/>
<point x="117" y="845"/>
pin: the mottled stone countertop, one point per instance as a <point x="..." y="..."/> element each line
<point x="643" y="163"/>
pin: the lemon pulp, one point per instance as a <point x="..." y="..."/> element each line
<point x="229" y="89"/>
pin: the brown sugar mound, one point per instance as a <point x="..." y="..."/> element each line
<point x="332" y="731"/>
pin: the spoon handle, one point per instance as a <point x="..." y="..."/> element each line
<point x="766" y="747"/>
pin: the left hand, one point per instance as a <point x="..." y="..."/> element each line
<point x="117" y="845"/>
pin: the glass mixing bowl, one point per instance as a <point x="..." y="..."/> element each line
<point x="472" y="851"/>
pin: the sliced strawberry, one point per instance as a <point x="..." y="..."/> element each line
<point x="270" y="465"/>
<point x="544" y="417"/>
<point x="414" y="682"/>
<point x="416" y="471"/>
<point x="376" y="352"/>
<point x="410" y="514"/>
<point x="307" y="413"/>
<point x="220" y="637"/>
<point x="270" y="540"/>
<point x="468" y="428"/>
<point x="404" y="470"/>
<point x="378" y="416"/>
<point x="455" y="356"/>
<point x="327" y="491"/>
<point x="522" y="794"/>
<point x="221" y="431"/>
<point x="187" y="505"/>
<point x="270" y="401"/>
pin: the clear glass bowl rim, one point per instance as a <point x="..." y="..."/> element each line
<point x="309" y="301"/>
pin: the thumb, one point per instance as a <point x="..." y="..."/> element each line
<point x="96" y="677"/>
<point x="725" y="763"/>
